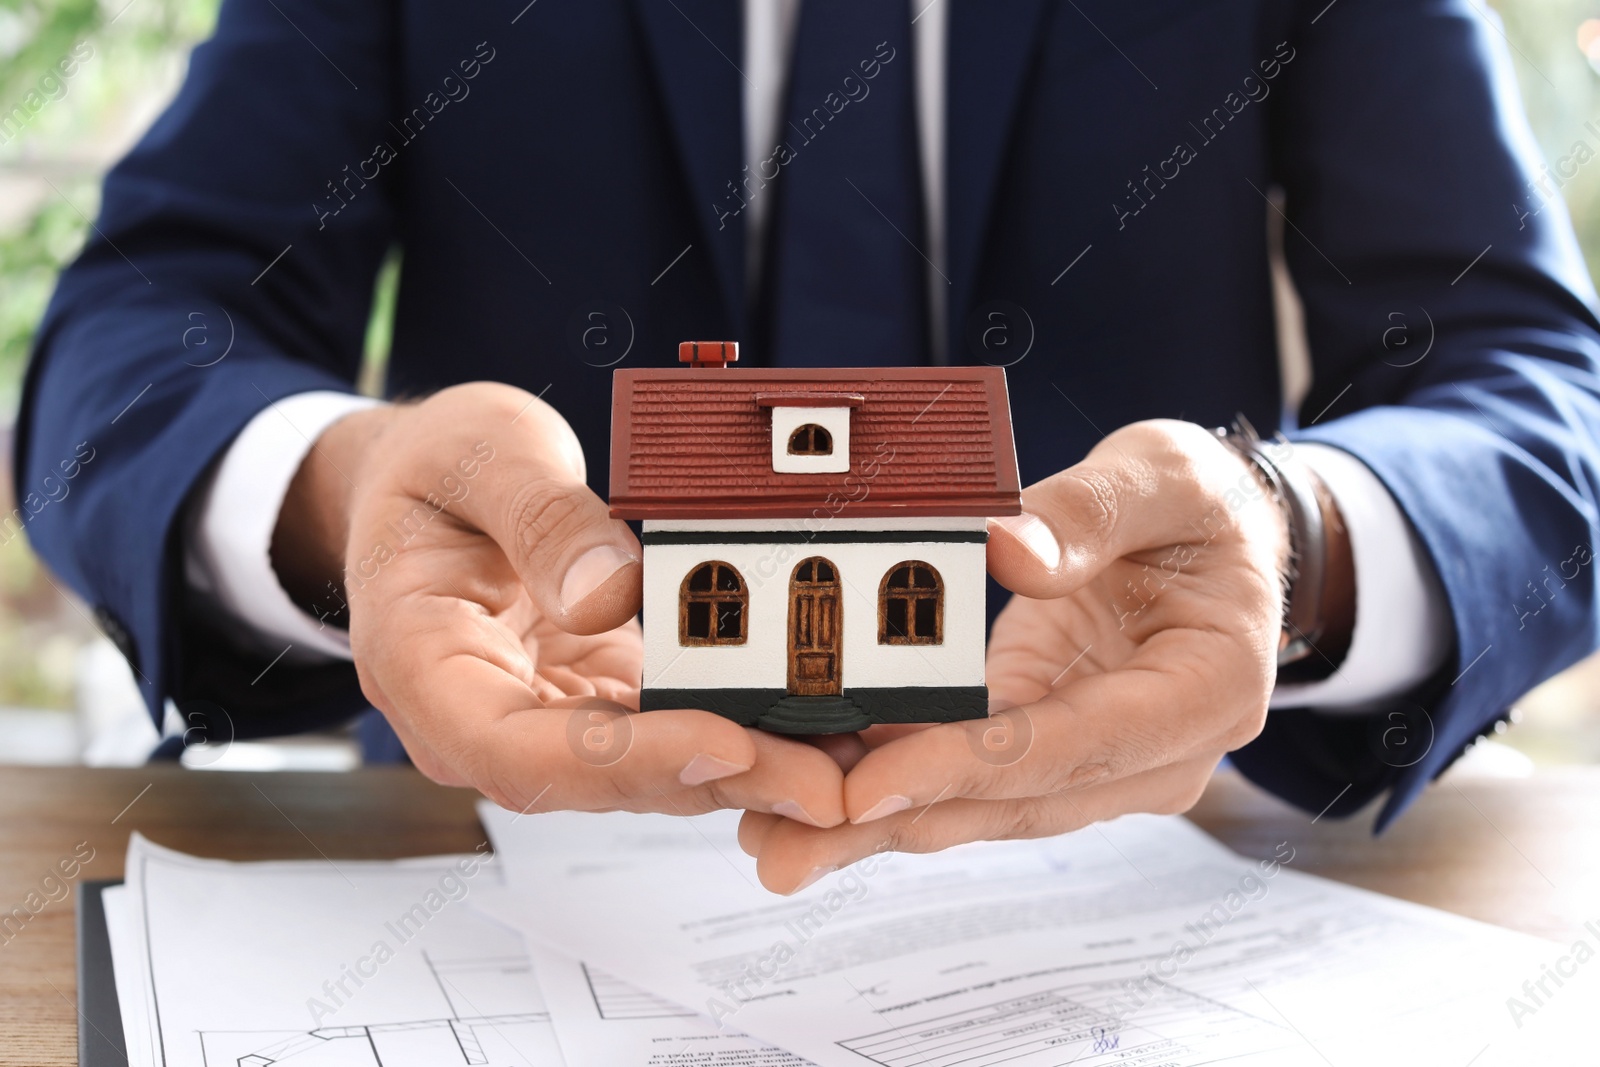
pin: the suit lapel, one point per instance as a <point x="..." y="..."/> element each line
<point x="990" y="50"/>
<point x="694" y="46"/>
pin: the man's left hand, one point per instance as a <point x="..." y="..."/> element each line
<point x="1140" y="649"/>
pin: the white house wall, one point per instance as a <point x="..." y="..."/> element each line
<point x="762" y="662"/>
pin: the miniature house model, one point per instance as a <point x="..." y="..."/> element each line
<point x="813" y="539"/>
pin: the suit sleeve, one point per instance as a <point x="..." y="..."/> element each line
<point x="1454" y="341"/>
<point x="217" y="280"/>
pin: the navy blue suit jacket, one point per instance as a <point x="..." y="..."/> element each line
<point x="537" y="164"/>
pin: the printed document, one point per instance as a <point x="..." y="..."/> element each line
<point x="1140" y="941"/>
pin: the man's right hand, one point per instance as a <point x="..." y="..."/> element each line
<point x="492" y="605"/>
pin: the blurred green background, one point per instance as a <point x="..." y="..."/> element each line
<point x="58" y="136"/>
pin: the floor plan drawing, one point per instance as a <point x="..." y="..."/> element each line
<point x="466" y="1034"/>
<point x="321" y="964"/>
<point x="616" y="999"/>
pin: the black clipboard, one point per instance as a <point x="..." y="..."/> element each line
<point x="100" y="1039"/>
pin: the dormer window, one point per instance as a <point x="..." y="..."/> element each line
<point x="811" y="440"/>
<point x="810" y="431"/>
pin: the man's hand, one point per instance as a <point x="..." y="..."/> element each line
<point x="1141" y="648"/>
<point x="492" y="603"/>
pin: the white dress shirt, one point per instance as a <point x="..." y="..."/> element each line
<point x="1402" y="629"/>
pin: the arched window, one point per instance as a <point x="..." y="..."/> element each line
<point x="911" y="605"/>
<point x="712" y="605"/>
<point x="811" y="440"/>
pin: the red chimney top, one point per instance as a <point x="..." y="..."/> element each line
<point x="708" y="353"/>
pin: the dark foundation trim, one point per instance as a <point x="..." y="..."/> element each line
<point x="856" y="708"/>
<point x="820" y="537"/>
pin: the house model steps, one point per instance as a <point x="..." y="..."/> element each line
<point x="813" y="538"/>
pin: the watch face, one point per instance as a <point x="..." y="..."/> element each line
<point x="1299" y="661"/>
<point x="1293" y="649"/>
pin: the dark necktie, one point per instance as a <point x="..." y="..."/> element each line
<point x="846" y="283"/>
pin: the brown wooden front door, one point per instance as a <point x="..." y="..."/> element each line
<point x="814" y="623"/>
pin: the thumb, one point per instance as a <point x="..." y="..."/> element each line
<point x="1146" y="486"/>
<point x="580" y="566"/>
<point x="1073" y="525"/>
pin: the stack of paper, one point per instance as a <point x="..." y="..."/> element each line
<point x="1138" y="942"/>
<point x="319" y="964"/>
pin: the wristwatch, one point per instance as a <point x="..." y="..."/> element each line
<point x="1308" y="508"/>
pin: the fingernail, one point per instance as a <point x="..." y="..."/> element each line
<point x="791" y="809"/>
<point x="811" y="879"/>
<point x="704" y="768"/>
<point x="1035" y="536"/>
<point x="887" y="806"/>
<point x="590" y="571"/>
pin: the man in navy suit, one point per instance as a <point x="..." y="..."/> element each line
<point x="1080" y="189"/>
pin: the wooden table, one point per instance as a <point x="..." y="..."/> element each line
<point x="1520" y="853"/>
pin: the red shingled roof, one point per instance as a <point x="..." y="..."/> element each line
<point x="924" y="441"/>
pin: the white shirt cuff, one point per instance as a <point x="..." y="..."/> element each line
<point x="1403" y="629"/>
<point x="227" y="551"/>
